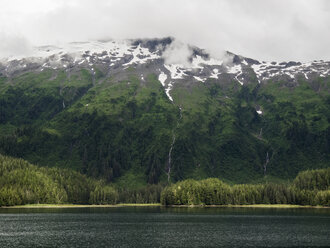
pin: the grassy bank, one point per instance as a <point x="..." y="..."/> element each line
<point x="83" y="206"/>
<point x="249" y="206"/>
<point x="159" y="205"/>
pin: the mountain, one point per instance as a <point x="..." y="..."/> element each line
<point x="134" y="112"/>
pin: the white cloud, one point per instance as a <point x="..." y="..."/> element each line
<point x="12" y="45"/>
<point x="177" y="53"/>
<point x="267" y="30"/>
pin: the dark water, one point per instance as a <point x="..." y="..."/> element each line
<point x="164" y="227"/>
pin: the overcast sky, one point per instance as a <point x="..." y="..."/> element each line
<point x="273" y="30"/>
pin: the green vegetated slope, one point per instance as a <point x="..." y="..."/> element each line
<point x="222" y="135"/>
<point x="110" y="129"/>
<point x="296" y="124"/>
<point x="121" y="128"/>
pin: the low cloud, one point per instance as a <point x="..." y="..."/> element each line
<point x="13" y="45"/>
<point x="177" y="53"/>
<point x="266" y="30"/>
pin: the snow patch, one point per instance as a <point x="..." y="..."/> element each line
<point x="306" y="76"/>
<point x="176" y="71"/>
<point x="162" y="78"/>
<point x="215" y="74"/>
<point x="267" y="70"/>
<point x="141" y="55"/>
<point x="200" y="79"/>
<point x="168" y="89"/>
<point x="198" y="61"/>
<point x="234" y="69"/>
<point x="237" y="70"/>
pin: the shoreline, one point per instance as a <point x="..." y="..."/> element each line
<point x="249" y="206"/>
<point x="85" y="205"/>
<point x="159" y="205"/>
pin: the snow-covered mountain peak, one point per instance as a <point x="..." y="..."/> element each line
<point x="112" y="56"/>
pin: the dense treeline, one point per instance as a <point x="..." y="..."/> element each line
<point x="149" y="194"/>
<point x="313" y="180"/>
<point x="309" y="188"/>
<point x="24" y="183"/>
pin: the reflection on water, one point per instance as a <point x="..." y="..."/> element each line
<point x="164" y="227"/>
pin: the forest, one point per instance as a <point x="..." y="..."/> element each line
<point x="23" y="183"/>
<point x="311" y="187"/>
<point x="120" y="125"/>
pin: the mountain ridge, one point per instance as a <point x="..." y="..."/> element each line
<point x="141" y="50"/>
<point x="125" y="114"/>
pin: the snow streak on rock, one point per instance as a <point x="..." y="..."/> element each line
<point x="268" y="70"/>
<point x="148" y="55"/>
<point x="237" y="70"/>
<point x="168" y="89"/>
<point x="177" y="71"/>
<point x="162" y="78"/>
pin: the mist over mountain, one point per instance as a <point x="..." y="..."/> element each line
<point x="157" y="110"/>
<point x="264" y="30"/>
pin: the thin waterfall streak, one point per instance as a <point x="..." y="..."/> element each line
<point x="169" y="165"/>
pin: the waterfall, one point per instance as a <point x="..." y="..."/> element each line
<point x="169" y="165"/>
<point x="170" y="158"/>
<point x="260" y="134"/>
<point x="265" y="165"/>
